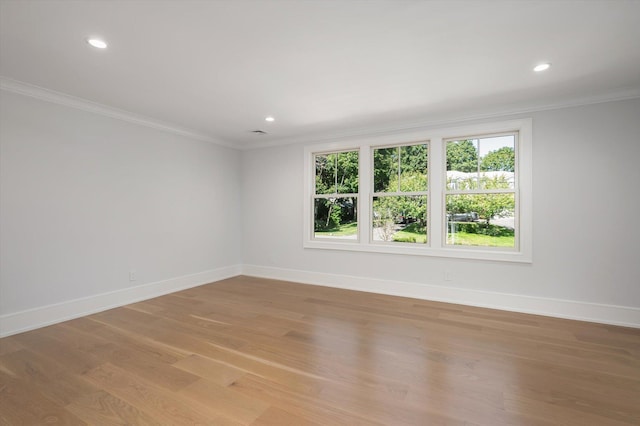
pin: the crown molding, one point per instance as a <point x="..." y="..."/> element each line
<point x="448" y="120"/>
<point x="41" y="93"/>
<point x="47" y="95"/>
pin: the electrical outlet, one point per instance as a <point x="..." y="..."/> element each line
<point x="132" y="276"/>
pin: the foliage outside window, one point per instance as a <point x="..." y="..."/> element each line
<point x="400" y="194"/>
<point x="480" y="191"/>
<point x="336" y="195"/>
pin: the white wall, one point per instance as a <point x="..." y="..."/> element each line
<point x="586" y="227"/>
<point x="85" y="199"/>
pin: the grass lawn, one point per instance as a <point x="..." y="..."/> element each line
<point x="345" y="229"/>
<point x="464" y="238"/>
<point x="412" y="233"/>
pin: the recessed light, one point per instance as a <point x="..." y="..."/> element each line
<point x="270" y="119"/>
<point x="97" y="43"/>
<point x="542" y="67"/>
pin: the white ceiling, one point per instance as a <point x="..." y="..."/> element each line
<point x="327" y="67"/>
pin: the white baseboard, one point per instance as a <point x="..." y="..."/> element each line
<point x="569" y="309"/>
<point x="46" y="315"/>
<point x="39" y="317"/>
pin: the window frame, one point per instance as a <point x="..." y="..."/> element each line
<point x="372" y="194"/>
<point x="479" y="191"/>
<point x="315" y="196"/>
<point x="436" y="208"/>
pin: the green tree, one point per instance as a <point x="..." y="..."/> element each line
<point x="391" y="209"/>
<point x="462" y="156"/>
<point x="337" y="173"/>
<point x="413" y="159"/>
<point x="325" y="173"/>
<point x="347" y="172"/>
<point x="503" y="159"/>
<point x="389" y="162"/>
<point x="385" y="165"/>
<point x="488" y="206"/>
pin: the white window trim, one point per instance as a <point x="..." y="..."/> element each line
<point x="436" y="245"/>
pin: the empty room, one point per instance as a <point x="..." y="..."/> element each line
<point x="307" y="212"/>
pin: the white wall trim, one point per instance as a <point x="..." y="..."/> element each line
<point x="47" y="95"/>
<point x="30" y="319"/>
<point x="26" y="89"/>
<point x="582" y="311"/>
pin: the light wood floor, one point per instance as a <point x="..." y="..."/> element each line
<point x="249" y="351"/>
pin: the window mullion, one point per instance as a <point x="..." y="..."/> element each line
<point x="437" y="170"/>
<point x="399" y="169"/>
<point x="337" y="195"/>
<point x="335" y="168"/>
<point x="480" y="191"/>
<point x="399" y="194"/>
<point x="365" y="186"/>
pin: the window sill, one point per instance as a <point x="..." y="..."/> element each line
<point x="484" y="253"/>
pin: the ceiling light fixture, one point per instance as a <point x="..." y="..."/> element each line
<point x="97" y="43"/>
<point x="270" y="119"/>
<point x="542" y="67"/>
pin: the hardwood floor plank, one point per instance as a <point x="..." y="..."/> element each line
<point x="49" y="377"/>
<point x="163" y="405"/>
<point x="39" y="341"/>
<point x="22" y="404"/>
<point x="127" y="339"/>
<point x="126" y="357"/>
<point x="276" y="416"/>
<point x="102" y="408"/>
<point x="282" y="397"/>
<point x="523" y="404"/>
<point x="225" y="401"/>
<point x="209" y="369"/>
<point x="8" y="345"/>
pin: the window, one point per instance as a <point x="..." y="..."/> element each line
<point x="335" y="200"/>
<point x="400" y="189"/>
<point x="461" y="192"/>
<point x="480" y="193"/>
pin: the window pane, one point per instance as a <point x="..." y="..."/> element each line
<point x="413" y="168"/>
<point x="400" y="219"/>
<point x="325" y="173"/>
<point x="400" y="169"/>
<point x="385" y="169"/>
<point x="481" y="220"/>
<point x="347" y="179"/>
<point x="337" y="173"/>
<point x="497" y="162"/>
<point x="335" y="218"/>
<point x="462" y="164"/>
